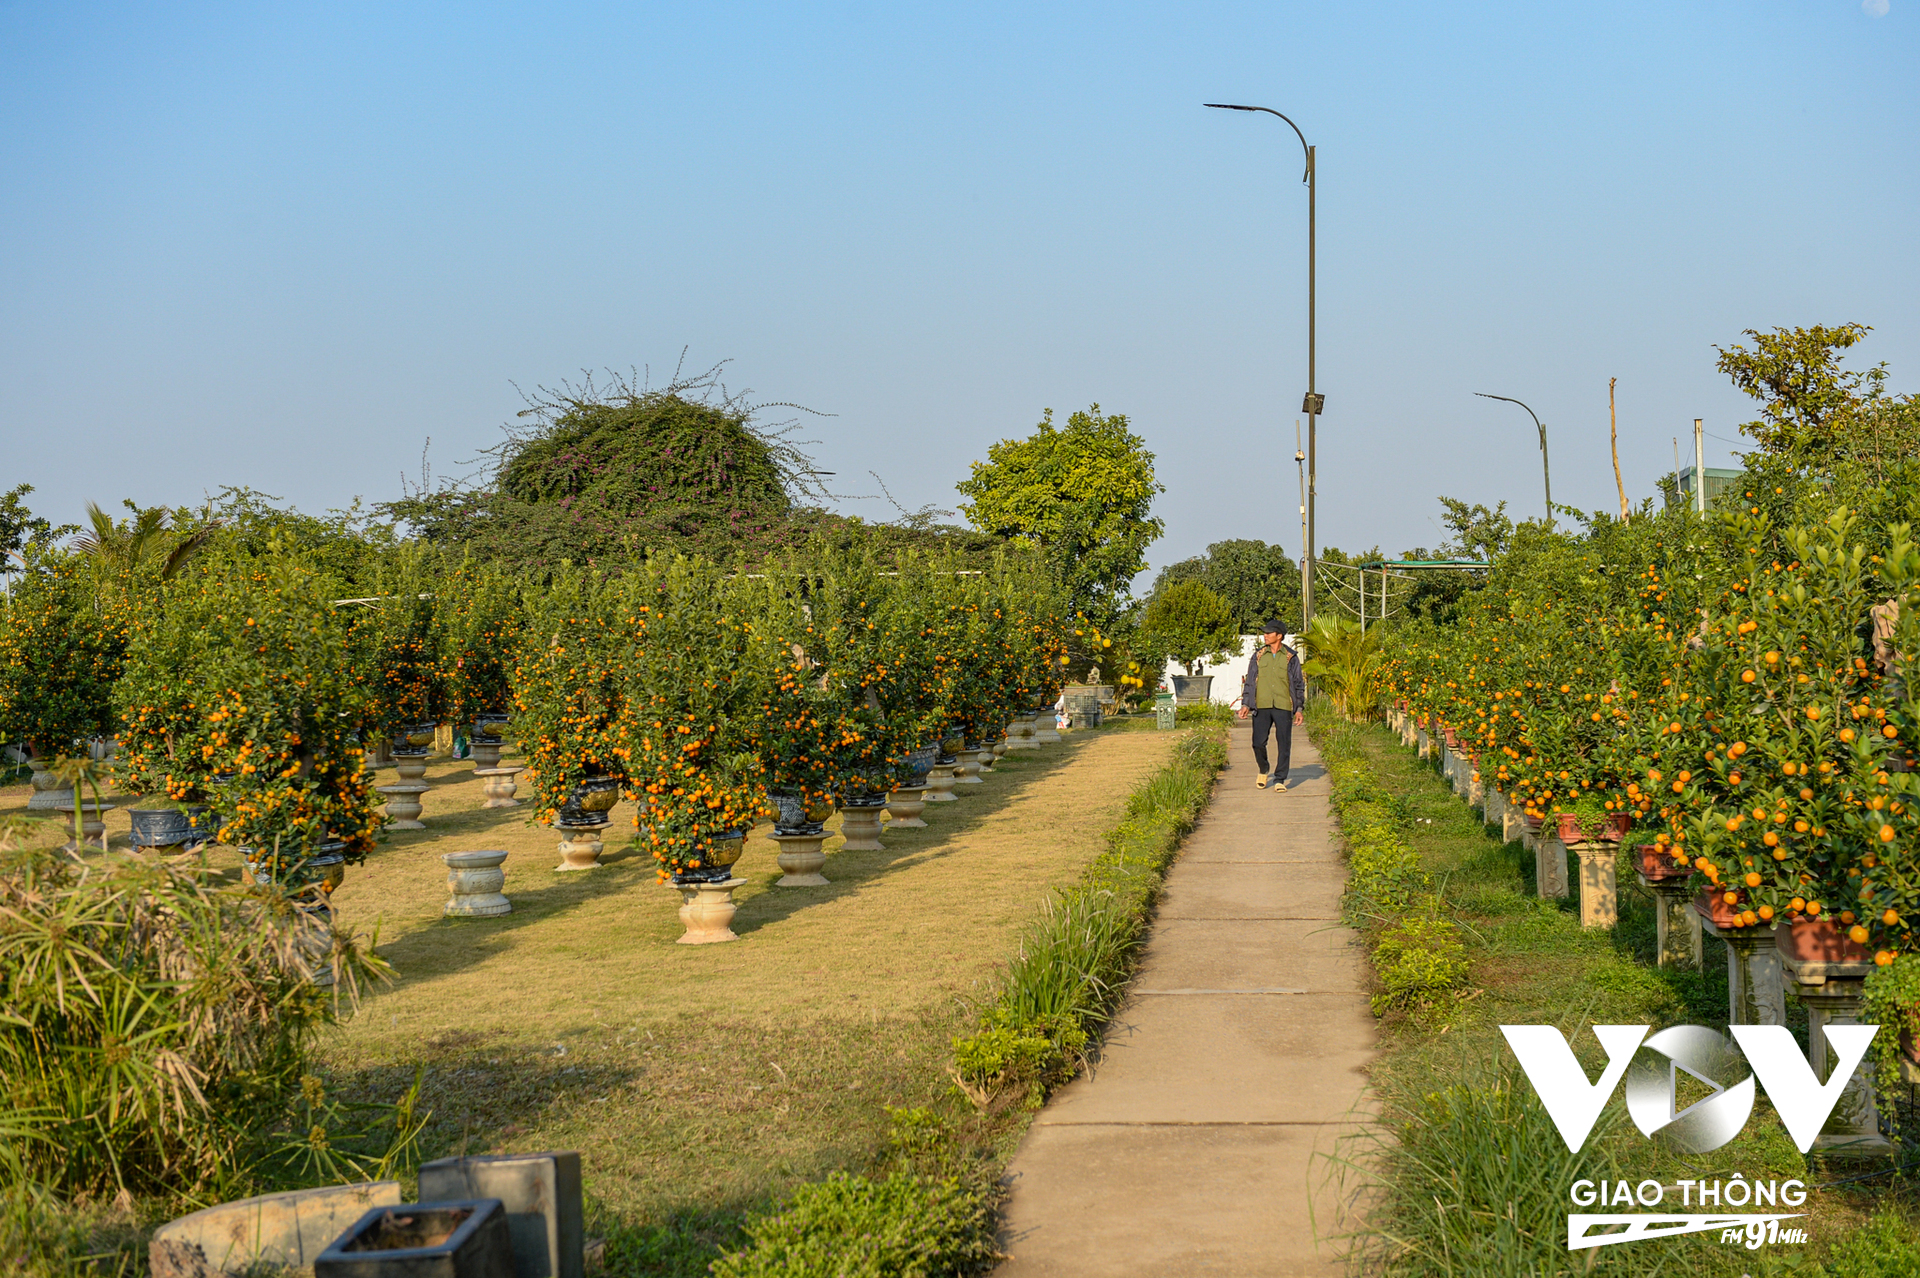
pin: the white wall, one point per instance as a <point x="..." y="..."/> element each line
<point x="1228" y="675"/>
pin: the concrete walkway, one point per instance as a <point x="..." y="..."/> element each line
<point x="1239" y="1056"/>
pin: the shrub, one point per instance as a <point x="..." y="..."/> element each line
<point x="904" y="1226"/>
<point x="1884" y="1247"/>
<point x="1420" y="961"/>
<point x="59" y="656"/>
<point x="1192" y="623"/>
<point x="1006" y="1062"/>
<point x="154" y="1032"/>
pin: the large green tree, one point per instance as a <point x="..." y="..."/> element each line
<point x="1807" y="400"/>
<point x="1083" y="495"/>
<point x="1258" y="581"/>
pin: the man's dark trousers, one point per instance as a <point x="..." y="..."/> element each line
<point x="1281" y="722"/>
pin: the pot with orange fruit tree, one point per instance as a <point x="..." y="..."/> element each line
<point x="569" y="709"/>
<point x="398" y="629"/>
<point x="282" y="709"/>
<point x="478" y="623"/>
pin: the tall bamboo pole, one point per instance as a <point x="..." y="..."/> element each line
<point x="1613" y="432"/>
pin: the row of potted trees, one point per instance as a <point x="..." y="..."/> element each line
<point x="1735" y="701"/>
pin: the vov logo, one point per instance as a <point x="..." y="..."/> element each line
<point x="1652" y="1069"/>
<point x="1802" y="1101"/>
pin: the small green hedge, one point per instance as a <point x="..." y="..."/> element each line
<point x="904" y="1226"/>
<point x="1418" y="955"/>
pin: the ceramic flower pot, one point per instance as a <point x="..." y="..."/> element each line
<point x="1656" y="866"/>
<point x="793" y="818"/>
<point x="165" y="829"/>
<point x="489" y="727"/>
<point x="1618" y="825"/>
<point x="590" y="800"/>
<point x="717" y="858"/>
<point x="1819" y="941"/>
<point x="1712" y="905"/>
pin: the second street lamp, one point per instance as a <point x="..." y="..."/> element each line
<point x="1315" y="403"/>
<point x="1546" y="476"/>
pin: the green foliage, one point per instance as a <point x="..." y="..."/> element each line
<point x="1258" y="581"/>
<point x="1806" y="398"/>
<point x="1347" y="661"/>
<point x="61" y="648"/>
<point x="1082" y="495"/>
<point x="904" y="1226"/>
<point x="1893" y="1002"/>
<point x="1420" y="962"/>
<point x="1192" y="623"/>
<point x="1009" y="1062"/>
<point x="21" y="529"/>
<point x="154" y="1031"/>
<point x="1885" y="1247"/>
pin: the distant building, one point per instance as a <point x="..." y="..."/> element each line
<point x="1678" y="489"/>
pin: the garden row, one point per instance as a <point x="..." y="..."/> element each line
<point x="246" y="697"/>
<point x="1726" y="699"/>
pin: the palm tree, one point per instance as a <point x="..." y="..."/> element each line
<point x="1346" y="659"/>
<point x="133" y="545"/>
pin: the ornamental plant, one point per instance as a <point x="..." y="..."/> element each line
<point x="572" y="676"/>
<point x="479" y="621"/>
<point x="59" y="656"/>
<point x="1192" y="624"/>
<point x="402" y="632"/>
<point x="282" y="709"/>
<point x="689" y="694"/>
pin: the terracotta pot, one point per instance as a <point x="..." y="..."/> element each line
<point x="1533" y="822"/>
<point x="1819" y="941"/>
<point x="1618" y="823"/>
<point x="1711" y="904"/>
<point x="1568" y="826"/>
<point x="1657" y="866"/>
<point x="1453" y="742"/>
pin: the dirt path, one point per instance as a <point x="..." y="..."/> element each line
<point x="1195" y="1147"/>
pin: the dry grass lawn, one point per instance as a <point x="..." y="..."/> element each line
<point x="700" y="1079"/>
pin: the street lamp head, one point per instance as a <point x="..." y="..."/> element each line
<point x="1228" y="106"/>
<point x="1299" y="456"/>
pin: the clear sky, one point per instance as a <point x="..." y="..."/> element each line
<point x="282" y="245"/>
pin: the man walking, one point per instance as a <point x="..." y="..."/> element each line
<point x="1275" y="694"/>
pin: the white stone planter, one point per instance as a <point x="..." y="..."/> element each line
<point x="500" y="786"/>
<point x="969" y="769"/>
<point x="940" y="783"/>
<point x="905" y="805"/>
<point x="93" y="824"/>
<point x="801" y="858"/>
<point x="580" y="847"/>
<point x="412" y="768"/>
<point x="707" y="912"/>
<point x="403" y="804"/>
<point x="860" y="827"/>
<point x="475" y="880"/>
<point x="48" y="794"/>
<point x="486" y="755"/>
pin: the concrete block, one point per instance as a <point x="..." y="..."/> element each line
<point x="287" y="1230"/>
<point x="542" y="1197"/>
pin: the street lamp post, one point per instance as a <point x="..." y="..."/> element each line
<point x="1546" y="475"/>
<point x="1314" y="403"/>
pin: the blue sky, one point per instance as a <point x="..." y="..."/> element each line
<point x="282" y="246"/>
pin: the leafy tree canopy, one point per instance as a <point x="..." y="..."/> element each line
<point x="1806" y="398"/>
<point x="1192" y="623"/>
<point x="21" y="529"/>
<point x="1256" y="580"/>
<point x="1083" y="495"/>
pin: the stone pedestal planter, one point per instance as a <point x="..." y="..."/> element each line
<point x="93" y="824"/>
<point x="969" y="769"/>
<point x="801" y="859"/>
<point x="1022" y="734"/>
<point x="580" y="847"/>
<point x="1599" y="882"/>
<point x="486" y="754"/>
<point x="1493" y="808"/>
<point x="905" y="805"/>
<point x="1192" y="690"/>
<point x="1756" y="993"/>
<point x="985" y="756"/>
<point x="860" y="827"/>
<point x="1831" y="993"/>
<point x="475" y="880"/>
<point x="403" y="804"/>
<point x="708" y="911"/>
<point x="48" y="794"/>
<point x="411" y="767"/>
<point x="1000" y="746"/>
<point x="1549" y="865"/>
<point x="1513" y="822"/>
<point x="1676" y="924"/>
<point x="940" y="783"/>
<point x="499" y="786"/>
<point x="1046" y="728"/>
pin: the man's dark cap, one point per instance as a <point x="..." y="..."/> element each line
<point x="1275" y="627"/>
